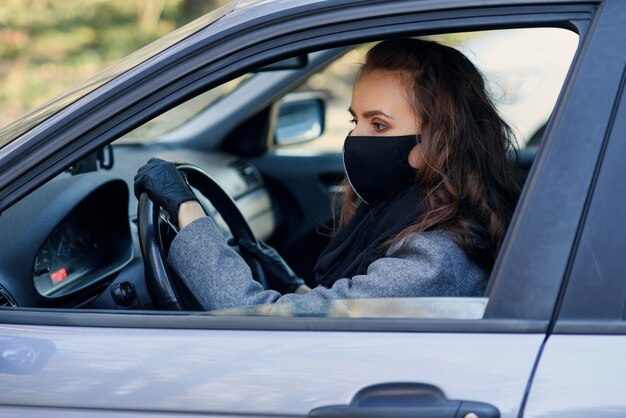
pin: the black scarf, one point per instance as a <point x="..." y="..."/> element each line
<point x="360" y="241"/>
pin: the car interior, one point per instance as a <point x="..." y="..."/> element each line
<point x="270" y="141"/>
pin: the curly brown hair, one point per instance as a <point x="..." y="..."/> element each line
<point x="468" y="180"/>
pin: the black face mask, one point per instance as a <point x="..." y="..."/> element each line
<point x="378" y="166"/>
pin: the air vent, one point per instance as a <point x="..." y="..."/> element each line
<point x="5" y="299"/>
<point x="249" y="173"/>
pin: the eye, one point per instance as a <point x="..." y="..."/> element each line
<point x="379" y="127"/>
<point x="353" y="122"/>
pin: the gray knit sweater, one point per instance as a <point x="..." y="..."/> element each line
<point x="430" y="264"/>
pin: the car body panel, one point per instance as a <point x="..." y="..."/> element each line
<point x="257" y="372"/>
<point x="580" y="376"/>
<point x="32" y="412"/>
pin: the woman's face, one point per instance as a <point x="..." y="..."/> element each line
<point x="381" y="107"/>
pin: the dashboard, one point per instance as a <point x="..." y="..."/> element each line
<point x="90" y="243"/>
<point x="73" y="243"/>
<point x="71" y="252"/>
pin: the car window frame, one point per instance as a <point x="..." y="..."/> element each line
<point x="583" y="114"/>
<point x="594" y="299"/>
<point x="517" y="317"/>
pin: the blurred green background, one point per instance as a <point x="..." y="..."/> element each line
<point x="47" y="46"/>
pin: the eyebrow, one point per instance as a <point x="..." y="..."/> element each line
<point x="370" y="113"/>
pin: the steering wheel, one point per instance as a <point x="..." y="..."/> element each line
<point x="165" y="288"/>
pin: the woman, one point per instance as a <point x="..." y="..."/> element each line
<point x="430" y="194"/>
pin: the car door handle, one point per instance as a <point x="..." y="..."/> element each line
<point x="405" y="400"/>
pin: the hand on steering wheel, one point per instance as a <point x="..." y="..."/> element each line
<point x="162" y="282"/>
<point x="164" y="185"/>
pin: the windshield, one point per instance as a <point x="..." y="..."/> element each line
<point x="35" y="117"/>
<point x="172" y="119"/>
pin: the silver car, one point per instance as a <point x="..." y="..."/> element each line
<point x="249" y="97"/>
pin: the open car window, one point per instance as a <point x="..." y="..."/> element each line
<point x="524" y="70"/>
<point x="81" y="263"/>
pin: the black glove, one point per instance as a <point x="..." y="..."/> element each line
<point x="164" y="185"/>
<point x="279" y="275"/>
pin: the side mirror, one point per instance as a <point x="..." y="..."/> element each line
<point x="301" y="118"/>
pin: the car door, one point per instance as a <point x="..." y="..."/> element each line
<point x="581" y="369"/>
<point x="74" y="363"/>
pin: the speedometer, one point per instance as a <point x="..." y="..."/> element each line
<point x="70" y="252"/>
